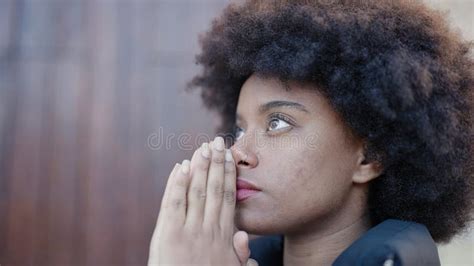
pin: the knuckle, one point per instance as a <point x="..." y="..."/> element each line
<point x="217" y="189"/>
<point x="218" y="159"/>
<point x="203" y="165"/>
<point x="229" y="196"/>
<point x="229" y="168"/>
<point x="177" y="204"/>
<point x="197" y="193"/>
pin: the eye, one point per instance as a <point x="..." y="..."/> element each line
<point x="275" y="122"/>
<point x="278" y="122"/>
<point x="238" y="132"/>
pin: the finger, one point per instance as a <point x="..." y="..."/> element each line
<point x="215" y="184"/>
<point x="168" y="184"/>
<point x="165" y="197"/>
<point x="228" y="203"/>
<point x="241" y="246"/>
<point x="197" y="190"/>
<point x="162" y="212"/>
<point x="177" y="202"/>
<point x="193" y="159"/>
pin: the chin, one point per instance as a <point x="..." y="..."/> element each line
<point x="255" y="223"/>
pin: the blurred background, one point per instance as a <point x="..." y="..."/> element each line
<point x="88" y="90"/>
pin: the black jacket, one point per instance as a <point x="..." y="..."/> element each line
<point x="392" y="242"/>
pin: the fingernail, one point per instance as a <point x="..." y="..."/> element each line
<point x="174" y="168"/>
<point x="185" y="167"/>
<point x="205" y="150"/>
<point x="219" y="143"/>
<point x="228" y="155"/>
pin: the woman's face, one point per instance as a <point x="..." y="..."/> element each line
<point x="304" y="166"/>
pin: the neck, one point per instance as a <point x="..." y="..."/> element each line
<point x="323" y="243"/>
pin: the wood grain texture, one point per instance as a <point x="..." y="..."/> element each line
<point x="83" y="85"/>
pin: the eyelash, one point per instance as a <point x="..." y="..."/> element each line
<point x="281" y="117"/>
<point x="270" y="118"/>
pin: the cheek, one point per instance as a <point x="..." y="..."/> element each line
<point x="311" y="186"/>
<point x="304" y="182"/>
<point x="299" y="171"/>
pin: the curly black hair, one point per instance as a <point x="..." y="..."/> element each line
<point x="400" y="77"/>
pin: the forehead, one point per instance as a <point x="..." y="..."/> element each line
<point x="256" y="91"/>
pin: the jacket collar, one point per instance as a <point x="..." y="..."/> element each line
<point x="392" y="242"/>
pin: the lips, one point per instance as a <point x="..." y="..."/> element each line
<point x="245" y="189"/>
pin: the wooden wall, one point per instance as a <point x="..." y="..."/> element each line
<point x="84" y="86"/>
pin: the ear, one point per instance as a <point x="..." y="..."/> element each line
<point x="366" y="170"/>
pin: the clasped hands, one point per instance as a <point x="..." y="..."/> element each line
<point x="195" y="225"/>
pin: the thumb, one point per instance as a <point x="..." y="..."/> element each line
<point x="252" y="262"/>
<point x="241" y="246"/>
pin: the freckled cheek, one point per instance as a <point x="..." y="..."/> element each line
<point x="290" y="179"/>
<point x="288" y="170"/>
<point x="305" y="175"/>
<point x="308" y="195"/>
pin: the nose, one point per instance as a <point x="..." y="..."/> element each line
<point x="244" y="156"/>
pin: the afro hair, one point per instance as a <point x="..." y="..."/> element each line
<point x="399" y="76"/>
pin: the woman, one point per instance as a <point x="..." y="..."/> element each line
<point x="352" y="138"/>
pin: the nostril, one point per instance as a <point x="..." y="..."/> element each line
<point x="242" y="162"/>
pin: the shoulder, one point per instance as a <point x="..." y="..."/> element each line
<point x="392" y="242"/>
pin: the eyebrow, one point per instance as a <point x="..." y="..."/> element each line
<point x="277" y="104"/>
